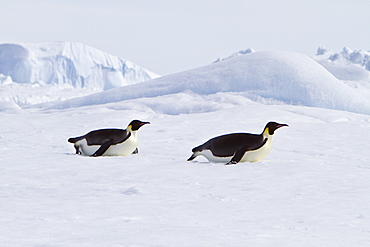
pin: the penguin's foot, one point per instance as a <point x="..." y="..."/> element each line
<point x="231" y="163"/>
<point x="77" y="148"/>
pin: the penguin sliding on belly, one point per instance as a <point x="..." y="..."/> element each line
<point x="238" y="147"/>
<point x="109" y="142"/>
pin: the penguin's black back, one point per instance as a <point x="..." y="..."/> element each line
<point x="227" y="145"/>
<point x="99" y="137"/>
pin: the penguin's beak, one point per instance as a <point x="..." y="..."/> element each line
<point x="281" y="125"/>
<point x="143" y="123"/>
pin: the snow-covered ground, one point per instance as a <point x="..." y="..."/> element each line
<point x="311" y="190"/>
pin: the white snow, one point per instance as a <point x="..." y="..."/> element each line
<point x="236" y="54"/>
<point x="311" y="190"/>
<point x="347" y="65"/>
<point x="71" y="63"/>
<point x="285" y="77"/>
<point x="350" y="66"/>
<point x="61" y="66"/>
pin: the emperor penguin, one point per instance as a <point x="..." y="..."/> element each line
<point x="238" y="147"/>
<point x="109" y="142"/>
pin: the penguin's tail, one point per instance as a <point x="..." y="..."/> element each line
<point x="193" y="156"/>
<point x="197" y="149"/>
<point x="75" y="139"/>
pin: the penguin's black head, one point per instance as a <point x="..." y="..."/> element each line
<point x="272" y="126"/>
<point x="136" y="124"/>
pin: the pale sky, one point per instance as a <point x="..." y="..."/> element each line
<point x="169" y="36"/>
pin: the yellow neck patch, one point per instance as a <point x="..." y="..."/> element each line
<point x="266" y="132"/>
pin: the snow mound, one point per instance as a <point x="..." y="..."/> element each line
<point x="68" y="63"/>
<point x="286" y="77"/>
<point x="236" y="54"/>
<point x="348" y="65"/>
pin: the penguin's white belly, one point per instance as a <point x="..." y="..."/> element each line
<point x="209" y="156"/>
<point x="250" y="156"/>
<point x="259" y="154"/>
<point x="121" y="149"/>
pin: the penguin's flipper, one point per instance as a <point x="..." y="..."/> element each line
<point x="136" y="151"/>
<point x="103" y="148"/>
<point x="75" y="139"/>
<point x="238" y="156"/>
<point x="240" y="153"/>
